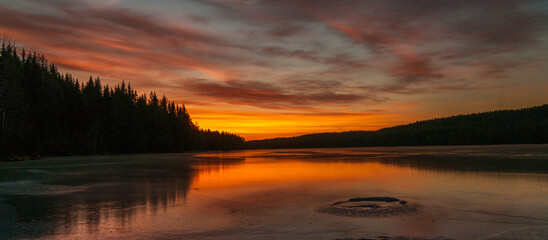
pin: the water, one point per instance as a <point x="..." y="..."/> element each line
<point x="463" y="192"/>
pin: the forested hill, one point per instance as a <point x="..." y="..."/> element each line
<point x="44" y="113"/>
<point x="524" y="126"/>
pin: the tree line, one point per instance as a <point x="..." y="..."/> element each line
<point x="45" y="113"/>
<point x="523" y="126"/>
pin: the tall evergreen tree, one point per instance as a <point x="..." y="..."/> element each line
<point x="43" y="112"/>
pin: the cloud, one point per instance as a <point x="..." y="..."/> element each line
<point x="336" y="61"/>
<point x="86" y="39"/>
<point x="275" y="54"/>
<point x="415" y="41"/>
<point x="265" y="95"/>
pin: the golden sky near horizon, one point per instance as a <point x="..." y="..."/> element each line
<point x="265" y="69"/>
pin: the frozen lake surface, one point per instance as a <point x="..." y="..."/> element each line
<point x="463" y="192"/>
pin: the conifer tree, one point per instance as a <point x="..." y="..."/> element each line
<point x="44" y="113"/>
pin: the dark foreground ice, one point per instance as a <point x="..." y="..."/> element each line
<point x="466" y="192"/>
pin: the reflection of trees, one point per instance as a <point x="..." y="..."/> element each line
<point x="207" y="163"/>
<point x="471" y="164"/>
<point x="511" y="159"/>
<point x="116" y="188"/>
<point x="119" y="188"/>
<point x="516" y="158"/>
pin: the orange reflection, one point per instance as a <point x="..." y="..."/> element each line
<point x="237" y="194"/>
<point x="260" y="171"/>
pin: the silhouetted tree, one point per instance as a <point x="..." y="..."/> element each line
<point x="524" y="126"/>
<point x="43" y="112"/>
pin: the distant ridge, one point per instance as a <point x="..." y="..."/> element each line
<point x="522" y="126"/>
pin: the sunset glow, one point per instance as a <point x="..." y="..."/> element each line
<point x="264" y="69"/>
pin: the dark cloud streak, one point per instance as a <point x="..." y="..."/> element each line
<point x="413" y="44"/>
<point x="264" y="95"/>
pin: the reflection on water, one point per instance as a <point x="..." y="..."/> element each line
<point x="274" y="193"/>
<point x="515" y="158"/>
<point x="81" y="194"/>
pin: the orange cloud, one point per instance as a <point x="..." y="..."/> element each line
<point x="283" y="68"/>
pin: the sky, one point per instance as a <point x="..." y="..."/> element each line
<point x="264" y="69"/>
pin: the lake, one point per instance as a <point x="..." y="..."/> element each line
<point x="462" y="192"/>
